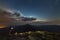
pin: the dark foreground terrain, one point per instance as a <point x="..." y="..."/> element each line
<point x="29" y="32"/>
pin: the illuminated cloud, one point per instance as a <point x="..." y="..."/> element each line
<point x="20" y="13"/>
<point x="8" y="16"/>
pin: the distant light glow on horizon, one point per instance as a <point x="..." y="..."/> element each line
<point x="2" y="26"/>
<point x="41" y="20"/>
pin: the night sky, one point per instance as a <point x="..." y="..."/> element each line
<point x="41" y="9"/>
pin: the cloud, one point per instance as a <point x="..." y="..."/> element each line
<point x="5" y="17"/>
<point x="8" y="17"/>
